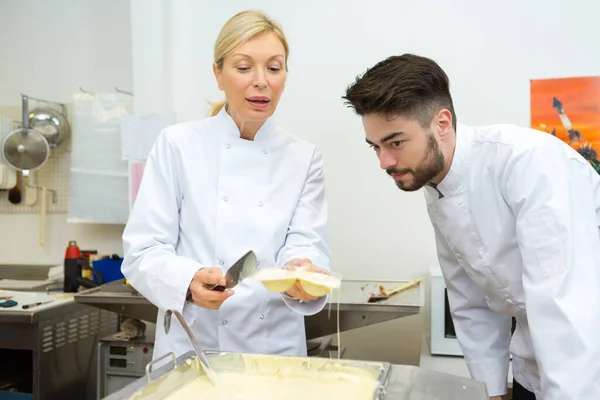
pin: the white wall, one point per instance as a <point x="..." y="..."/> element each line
<point x="47" y="50"/>
<point x="489" y="49"/>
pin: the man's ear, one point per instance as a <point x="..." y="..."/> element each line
<point x="443" y="121"/>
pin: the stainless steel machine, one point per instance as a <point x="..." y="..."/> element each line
<point x="50" y="352"/>
<point x="123" y="362"/>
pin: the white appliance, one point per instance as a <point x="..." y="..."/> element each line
<point x="442" y="337"/>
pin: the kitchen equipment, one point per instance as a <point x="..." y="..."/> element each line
<point x="25" y="149"/>
<point x="355" y="310"/>
<point x="58" y="341"/>
<point x="195" y="345"/>
<point x="161" y="383"/>
<point x="385" y="294"/>
<point x="442" y="336"/>
<point x="51" y="124"/>
<point x="123" y="362"/>
<point x="240" y="270"/>
<point x="73" y="265"/>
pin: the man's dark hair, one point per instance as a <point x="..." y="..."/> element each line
<point x="408" y="85"/>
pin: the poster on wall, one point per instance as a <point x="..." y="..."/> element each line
<point x="569" y="108"/>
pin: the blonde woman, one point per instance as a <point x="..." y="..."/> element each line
<point x="216" y="188"/>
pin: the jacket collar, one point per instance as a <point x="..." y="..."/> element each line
<point x="459" y="168"/>
<point x="266" y="131"/>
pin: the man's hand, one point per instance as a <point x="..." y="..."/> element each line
<point x="496" y="398"/>
<point x="296" y="291"/>
<point x="206" y="298"/>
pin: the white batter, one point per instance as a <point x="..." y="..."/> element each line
<point x="267" y="378"/>
<point x="239" y="386"/>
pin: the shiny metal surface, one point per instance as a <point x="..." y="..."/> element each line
<point x="208" y="369"/>
<point x="414" y="383"/>
<point x="25" y="149"/>
<point x="240" y="270"/>
<point x="62" y="343"/>
<point x="355" y="310"/>
<point x="400" y="382"/>
<point x="51" y="124"/>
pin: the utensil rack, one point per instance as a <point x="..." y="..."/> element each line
<point x="54" y="175"/>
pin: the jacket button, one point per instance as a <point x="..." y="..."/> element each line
<point x="224" y="322"/>
<point x="228" y="146"/>
<point x="221" y="262"/>
<point x="225" y="199"/>
<point x="265" y="151"/>
<point x="262" y="316"/>
<point x="260" y="204"/>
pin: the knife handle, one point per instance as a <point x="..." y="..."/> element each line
<point x="217" y="288"/>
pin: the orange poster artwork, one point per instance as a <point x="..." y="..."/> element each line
<point x="569" y="108"/>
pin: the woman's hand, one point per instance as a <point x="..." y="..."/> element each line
<point x="297" y="291"/>
<point x="206" y="298"/>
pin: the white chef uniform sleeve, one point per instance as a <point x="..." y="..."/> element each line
<point x="483" y="334"/>
<point x="307" y="235"/>
<point x="150" y="262"/>
<point x="552" y="199"/>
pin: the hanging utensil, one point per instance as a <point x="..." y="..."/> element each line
<point x="210" y="373"/>
<point x="25" y="150"/>
<point x="14" y="194"/>
<point x="51" y="124"/>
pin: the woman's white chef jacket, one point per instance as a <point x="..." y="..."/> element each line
<point x="517" y="234"/>
<point x="207" y="197"/>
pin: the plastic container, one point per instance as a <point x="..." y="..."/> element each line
<point x="109" y="268"/>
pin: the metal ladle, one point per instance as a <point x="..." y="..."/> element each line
<point x="210" y="372"/>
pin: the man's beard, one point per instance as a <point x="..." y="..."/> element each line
<point x="431" y="165"/>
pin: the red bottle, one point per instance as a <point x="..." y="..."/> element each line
<point x="72" y="250"/>
<point x="72" y="267"/>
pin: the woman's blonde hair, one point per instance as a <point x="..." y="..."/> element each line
<point x="239" y="29"/>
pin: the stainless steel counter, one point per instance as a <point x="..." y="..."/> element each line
<point x="60" y="340"/>
<point x="414" y="383"/>
<point x="355" y="311"/>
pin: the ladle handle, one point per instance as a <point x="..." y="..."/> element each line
<point x="195" y="345"/>
<point x="25" y="110"/>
